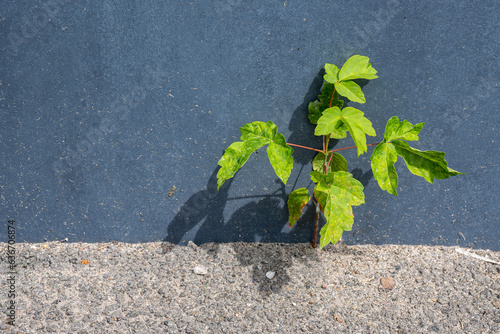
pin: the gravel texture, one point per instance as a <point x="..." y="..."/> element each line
<point x="225" y="288"/>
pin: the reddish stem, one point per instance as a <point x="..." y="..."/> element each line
<point x="308" y="148"/>
<point x="325" y="149"/>
<point x="315" y="230"/>
<point x="331" y="98"/>
<point x="329" y="161"/>
<point x="347" y="148"/>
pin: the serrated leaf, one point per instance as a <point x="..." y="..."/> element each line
<point x="255" y="135"/>
<point x="235" y="156"/>
<point x="332" y="73"/>
<point x="319" y="193"/>
<point x="336" y="192"/>
<point x="338" y="162"/>
<point x="401" y="130"/>
<point x="325" y="100"/>
<point x="317" y="176"/>
<point x="357" y="67"/>
<point x="355" y="122"/>
<point x="330" y="123"/>
<point x="297" y="200"/>
<point x="258" y="131"/>
<point x="332" y="231"/>
<point x="382" y="161"/>
<point x="351" y="90"/>
<point x="280" y="156"/>
<point x="428" y="164"/>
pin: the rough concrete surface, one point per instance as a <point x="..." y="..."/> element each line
<point x="252" y="288"/>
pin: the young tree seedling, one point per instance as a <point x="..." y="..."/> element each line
<point x="335" y="190"/>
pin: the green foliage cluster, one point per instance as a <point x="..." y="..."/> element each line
<point x="336" y="191"/>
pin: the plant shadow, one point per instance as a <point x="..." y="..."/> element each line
<point x="263" y="219"/>
<point x="201" y="218"/>
<point x="255" y="241"/>
<point x="270" y="263"/>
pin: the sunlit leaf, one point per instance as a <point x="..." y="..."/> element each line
<point x="338" y="162"/>
<point x="354" y="121"/>
<point x="330" y="123"/>
<point x="254" y="136"/>
<point x="332" y="73"/>
<point x="401" y="130"/>
<point x="337" y="192"/>
<point x="297" y="200"/>
<point x="357" y="67"/>
<point x="325" y="101"/>
<point x="235" y="156"/>
<point x="280" y="156"/>
<point x="428" y="164"/>
<point x="351" y="90"/>
<point x="382" y="160"/>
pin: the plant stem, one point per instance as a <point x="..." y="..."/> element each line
<point x="325" y="147"/>
<point x="347" y="148"/>
<point x="308" y="148"/>
<point x="331" y="98"/>
<point x="329" y="161"/>
<point x="315" y="236"/>
<point x="325" y="152"/>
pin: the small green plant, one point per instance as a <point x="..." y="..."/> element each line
<point x="336" y="191"/>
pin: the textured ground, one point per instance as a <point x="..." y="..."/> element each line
<point x="153" y="288"/>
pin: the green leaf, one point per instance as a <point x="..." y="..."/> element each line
<point x="428" y="164"/>
<point x="297" y="200"/>
<point x="357" y="67"/>
<point x="280" y="156"/>
<point x="319" y="193"/>
<point x="351" y="90"/>
<point x="317" y="176"/>
<point x="382" y="160"/>
<point x="454" y="172"/>
<point x="338" y="162"/>
<point x="317" y="107"/>
<point x="336" y="192"/>
<point x="401" y="130"/>
<point x="332" y="231"/>
<point x="330" y="123"/>
<point x="255" y="135"/>
<point x="332" y="73"/>
<point x="258" y="131"/>
<point x="355" y="122"/>
<point x="235" y="156"/>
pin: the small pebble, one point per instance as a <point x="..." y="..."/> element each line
<point x="200" y="270"/>
<point x="270" y="274"/>
<point x="387" y="283"/>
